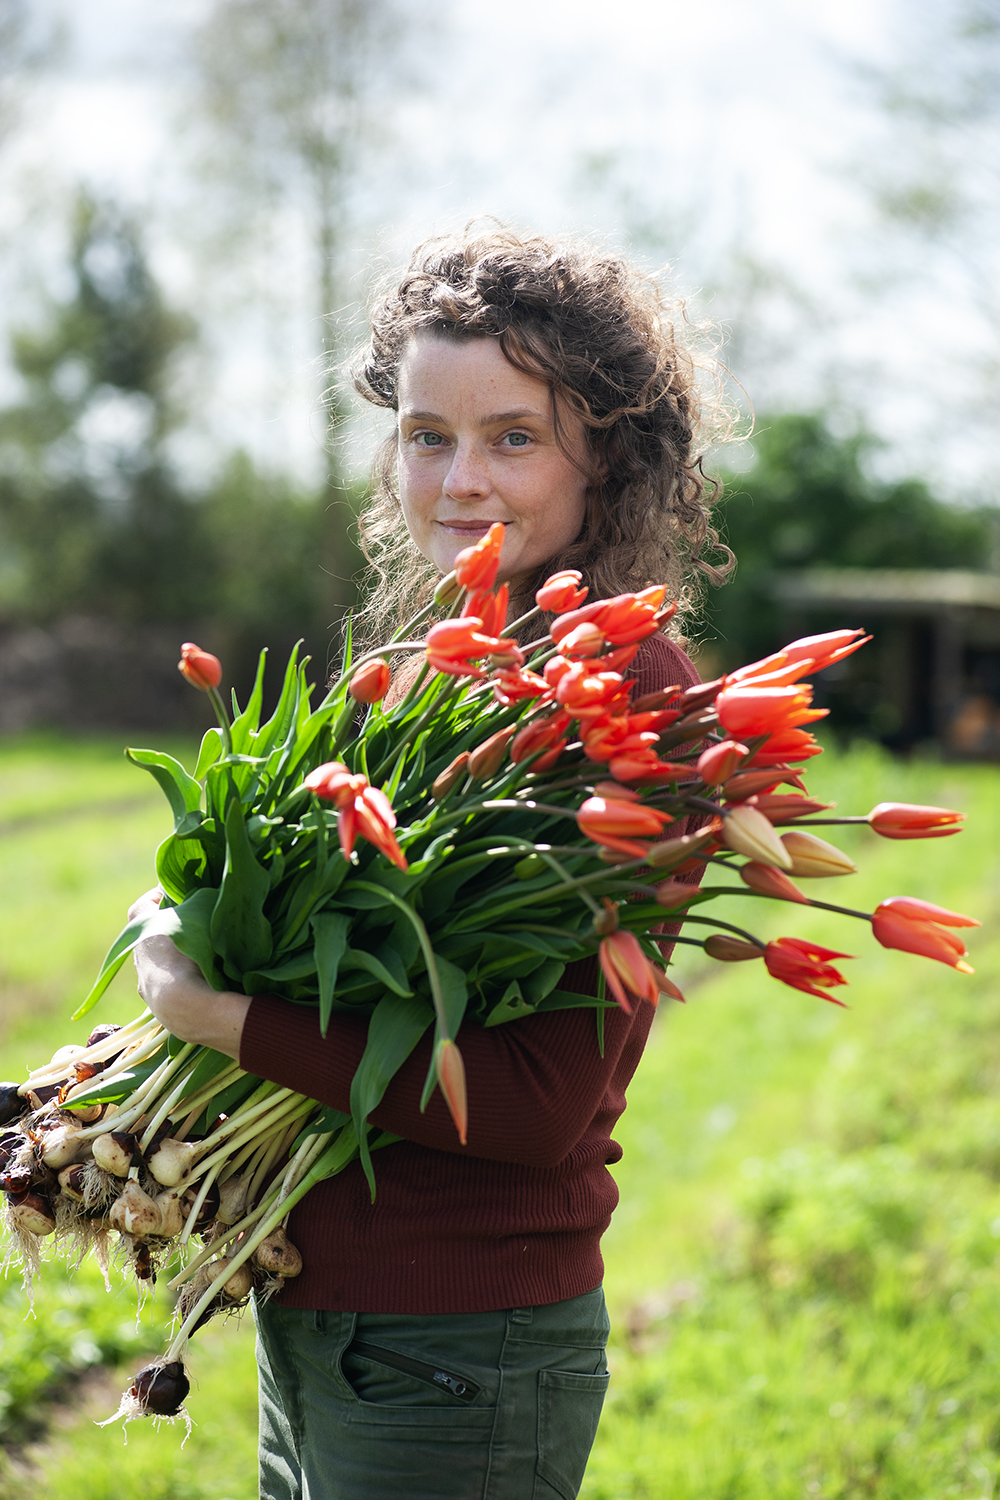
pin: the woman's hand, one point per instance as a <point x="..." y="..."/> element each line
<point x="178" y="995"/>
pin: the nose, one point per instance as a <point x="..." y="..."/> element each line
<point x="468" y="475"/>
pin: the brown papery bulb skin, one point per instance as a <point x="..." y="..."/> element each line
<point x="12" y="1106"/>
<point x="32" y="1214"/>
<point x="161" y="1390"/>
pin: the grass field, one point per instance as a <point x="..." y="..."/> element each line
<point x="804" y="1272"/>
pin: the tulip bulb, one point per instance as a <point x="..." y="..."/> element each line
<point x="171" y="1213"/>
<point x="238" y="1285"/>
<point x="171" y="1160"/>
<point x="160" y="1389"/>
<point x="71" y="1182"/>
<point x="232" y="1200"/>
<point x="135" y="1212"/>
<point x="61" y="1146"/>
<point x="278" y="1256"/>
<point x="32" y="1215"/>
<point x="113" y="1152"/>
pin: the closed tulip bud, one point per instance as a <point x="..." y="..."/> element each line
<point x="561" y="592"/>
<point x="731" y="950"/>
<point x="770" y="882"/>
<point x="487" y="758"/>
<point x="606" y="921"/>
<point x="812" y="857"/>
<point x="903" y="820"/>
<point x="201" y="668"/>
<point x="672" y="893"/>
<point x="449" y="777"/>
<point x="672" y="852"/>
<point x="477" y="567"/>
<point x="450" y="1072"/>
<point x="626" y="967"/>
<point x="746" y="831"/>
<point x="716" y="764"/>
<point x="370" y="683"/>
<point x="584" y="641"/>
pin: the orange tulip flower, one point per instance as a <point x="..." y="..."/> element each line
<point x="617" y="825"/>
<point x="477" y="567"/>
<point x="804" y="966"/>
<point x="548" y="734"/>
<point x="811" y="653"/>
<point x="370" y="683"/>
<point x="362" y="809"/>
<point x="767" y="881"/>
<point x="921" y="927"/>
<point x="625" y="966"/>
<point x="718" y="762"/>
<point x="450" y="1070"/>
<point x="489" y="607"/>
<point x="561" y="592"/>
<point x="904" y="820"/>
<point x="201" y="668"/>
<point x="454" y="646"/>
<point x="765" y="710"/>
<point x="786" y="744"/>
<point x="511" y="684"/>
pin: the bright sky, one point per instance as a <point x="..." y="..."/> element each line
<point x="692" y="132"/>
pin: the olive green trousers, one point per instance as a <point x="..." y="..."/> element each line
<point x="469" y="1406"/>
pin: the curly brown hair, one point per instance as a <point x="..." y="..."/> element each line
<point x="602" y="336"/>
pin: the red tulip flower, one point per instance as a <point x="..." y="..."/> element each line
<point x="587" y="694"/>
<point x="201" y="668"/>
<point x="785" y="745"/>
<point x="626" y="967"/>
<point x="804" y="966"/>
<point x="489" y="607"/>
<point x="718" y="762"/>
<point x="811" y="653"/>
<point x="921" y="927"/>
<point x="512" y="684"/>
<point x="454" y="646"/>
<point x="363" y="809"/>
<point x="784" y="807"/>
<point x="547" y="734"/>
<point x="370" y="683"/>
<point x="903" y="820"/>
<point x="617" y="824"/>
<point x="561" y="592"/>
<point x="477" y="567"/>
<point x="585" y="639"/>
<point x="765" y="710"/>
<point x="629" y="618"/>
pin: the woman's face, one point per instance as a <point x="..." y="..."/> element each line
<point x="477" y="444"/>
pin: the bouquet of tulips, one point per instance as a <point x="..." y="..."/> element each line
<point x="433" y="863"/>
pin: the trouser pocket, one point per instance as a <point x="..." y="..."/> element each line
<point x="433" y="1375"/>
<point x="569" y="1409"/>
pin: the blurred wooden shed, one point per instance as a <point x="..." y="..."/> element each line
<point x="937" y="661"/>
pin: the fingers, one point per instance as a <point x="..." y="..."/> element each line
<point x="145" y="903"/>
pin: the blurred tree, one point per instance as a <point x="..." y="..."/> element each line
<point x="296" y="93"/>
<point x="93" y="518"/>
<point x="810" y="501"/>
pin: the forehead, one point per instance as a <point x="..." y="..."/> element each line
<point x="465" y="377"/>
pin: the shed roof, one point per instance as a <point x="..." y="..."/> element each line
<point x="890" y="590"/>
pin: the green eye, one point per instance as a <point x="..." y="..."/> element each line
<point x="517" y="439"/>
<point x="429" y="439"/>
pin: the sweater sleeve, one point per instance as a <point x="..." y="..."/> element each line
<point x="534" y="1085"/>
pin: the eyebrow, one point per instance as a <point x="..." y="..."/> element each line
<point x="493" y="420"/>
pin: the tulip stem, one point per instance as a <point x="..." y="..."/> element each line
<point x="509" y="629"/>
<point x="430" y="957"/>
<point x="570" y="881"/>
<point x="222" y="715"/>
<point x="741" y="890"/>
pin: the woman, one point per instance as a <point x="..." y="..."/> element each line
<point x="448" y="1339"/>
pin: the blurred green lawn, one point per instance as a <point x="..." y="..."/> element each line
<point x="805" y="1267"/>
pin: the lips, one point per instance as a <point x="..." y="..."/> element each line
<point x="470" y="529"/>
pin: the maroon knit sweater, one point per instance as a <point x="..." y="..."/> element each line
<point x="514" y="1218"/>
